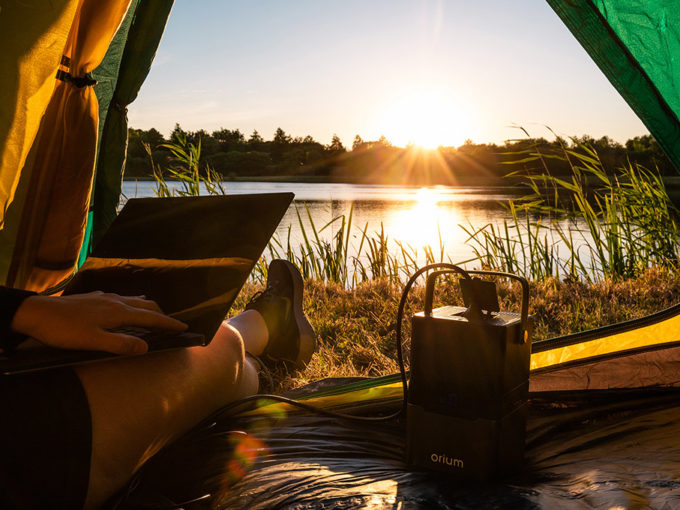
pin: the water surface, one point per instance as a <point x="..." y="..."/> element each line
<point x="417" y="217"/>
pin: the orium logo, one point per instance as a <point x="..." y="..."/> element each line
<point x="449" y="461"/>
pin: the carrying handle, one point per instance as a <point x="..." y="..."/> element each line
<point x="431" y="279"/>
<point x="524" y="314"/>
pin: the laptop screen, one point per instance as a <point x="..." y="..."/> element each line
<point x="191" y="255"/>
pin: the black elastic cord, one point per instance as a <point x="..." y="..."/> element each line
<point x="80" y="82"/>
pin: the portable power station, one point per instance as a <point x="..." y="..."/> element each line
<point x="469" y="382"/>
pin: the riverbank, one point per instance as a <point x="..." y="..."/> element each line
<point x="355" y="327"/>
<point x="672" y="183"/>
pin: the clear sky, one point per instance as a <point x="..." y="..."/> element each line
<point x="428" y="71"/>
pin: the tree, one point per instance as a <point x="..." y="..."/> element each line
<point x="336" y="146"/>
<point x="281" y="138"/>
<point x="229" y="140"/>
<point x="357" y="143"/>
<point x="280" y="144"/>
<point x="208" y="143"/>
<point x="153" y="137"/>
<point x="255" y="142"/>
<point x="384" y="141"/>
<point x="177" y="134"/>
<point x="138" y="138"/>
<point x="135" y="145"/>
<point x="255" y="137"/>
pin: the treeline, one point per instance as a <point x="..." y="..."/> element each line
<point x="235" y="156"/>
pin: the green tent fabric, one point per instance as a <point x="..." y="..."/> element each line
<point x="636" y="44"/>
<point x="106" y="75"/>
<point x="142" y="40"/>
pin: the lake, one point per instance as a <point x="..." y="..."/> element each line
<point x="414" y="216"/>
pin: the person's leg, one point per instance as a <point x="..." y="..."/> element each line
<point x="138" y="405"/>
<point x="255" y="342"/>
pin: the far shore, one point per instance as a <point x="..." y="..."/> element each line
<point x="672" y="183"/>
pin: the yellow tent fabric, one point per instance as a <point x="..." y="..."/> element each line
<point x="658" y="333"/>
<point x="33" y="40"/>
<point x="62" y="159"/>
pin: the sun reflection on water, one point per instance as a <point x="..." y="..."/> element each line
<point x="425" y="223"/>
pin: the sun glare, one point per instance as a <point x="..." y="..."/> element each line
<point x="426" y="118"/>
<point x="425" y="221"/>
<point x="427" y="197"/>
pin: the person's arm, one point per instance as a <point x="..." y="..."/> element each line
<point x="10" y="301"/>
<point x="85" y="321"/>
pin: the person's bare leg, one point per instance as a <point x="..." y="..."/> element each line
<point x="138" y="405"/>
<point x="257" y="338"/>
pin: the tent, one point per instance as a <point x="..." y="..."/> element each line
<point x="63" y="140"/>
<point x="56" y="126"/>
<point x="603" y="414"/>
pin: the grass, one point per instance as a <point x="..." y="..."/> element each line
<point x="610" y="224"/>
<point x="620" y="231"/>
<point x="375" y="257"/>
<point x="185" y="170"/>
<point x="317" y="257"/>
<point x="607" y="224"/>
<point x="356" y="326"/>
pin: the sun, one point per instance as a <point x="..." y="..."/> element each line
<point x="426" y="118"/>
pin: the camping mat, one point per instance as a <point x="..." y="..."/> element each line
<point x="588" y="449"/>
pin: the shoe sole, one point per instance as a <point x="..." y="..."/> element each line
<point x="305" y="329"/>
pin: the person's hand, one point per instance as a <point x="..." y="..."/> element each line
<point x="83" y="321"/>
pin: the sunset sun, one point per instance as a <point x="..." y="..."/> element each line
<point x="424" y="118"/>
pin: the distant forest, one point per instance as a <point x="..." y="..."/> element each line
<point x="237" y="157"/>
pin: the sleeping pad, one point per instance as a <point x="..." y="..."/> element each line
<point x="584" y="449"/>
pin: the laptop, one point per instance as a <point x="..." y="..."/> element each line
<point x="191" y="255"/>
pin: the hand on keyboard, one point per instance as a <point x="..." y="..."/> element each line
<point x="88" y="321"/>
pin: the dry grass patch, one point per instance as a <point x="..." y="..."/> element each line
<point x="356" y="327"/>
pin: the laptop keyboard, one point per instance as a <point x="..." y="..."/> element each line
<point x="38" y="357"/>
<point x="157" y="340"/>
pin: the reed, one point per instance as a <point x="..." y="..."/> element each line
<point x="185" y="169"/>
<point x="609" y="225"/>
<point x="329" y="260"/>
<point x="614" y="225"/>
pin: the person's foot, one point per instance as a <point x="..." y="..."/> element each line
<point x="291" y="336"/>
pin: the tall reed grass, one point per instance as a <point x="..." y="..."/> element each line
<point x="352" y="255"/>
<point x="613" y="224"/>
<point x="609" y="225"/>
<point x="186" y="171"/>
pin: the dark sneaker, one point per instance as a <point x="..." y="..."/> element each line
<point x="291" y="336"/>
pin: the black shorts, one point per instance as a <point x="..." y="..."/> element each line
<point x="45" y="441"/>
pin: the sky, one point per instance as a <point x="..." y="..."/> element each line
<point x="430" y="72"/>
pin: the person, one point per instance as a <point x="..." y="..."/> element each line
<point x="72" y="438"/>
